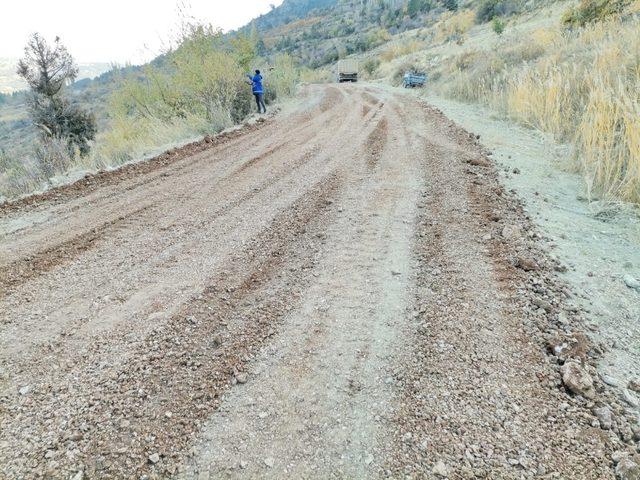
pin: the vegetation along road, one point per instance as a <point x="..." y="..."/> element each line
<point x="343" y="290"/>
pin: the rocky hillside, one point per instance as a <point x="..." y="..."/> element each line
<point x="319" y="32"/>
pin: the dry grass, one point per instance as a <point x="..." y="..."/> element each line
<point x="452" y="26"/>
<point x="289" y="28"/>
<point x="582" y="86"/>
<point x="320" y="75"/>
<point x="400" y="49"/>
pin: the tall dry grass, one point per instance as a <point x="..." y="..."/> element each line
<point x="453" y="26"/>
<point x="400" y="49"/>
<point x="582" y="86"/>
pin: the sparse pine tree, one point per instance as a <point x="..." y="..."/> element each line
<point x="47" y="70"/>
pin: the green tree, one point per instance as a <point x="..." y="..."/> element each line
<point x="451" y="5"/>
<point x="47" y="69"/>
<point x="498" y="25"/>
<point x="415" y="7"/>
<point x="245" y="49"/>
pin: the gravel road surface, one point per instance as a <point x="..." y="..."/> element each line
<point x="342" y="290"/>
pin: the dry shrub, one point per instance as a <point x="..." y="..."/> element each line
<point x="284" y="76"/>
<point x="594" y="11"/>
<point x="318" y="75"/>
<point x="453" y="25"/>
<point x="400" y="49"/>
<point x="582" y="86"/>
<point x="17" y="177"/>
<point x="546" y="37"/>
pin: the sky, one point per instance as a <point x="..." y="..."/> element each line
<point x="115" y="31"/>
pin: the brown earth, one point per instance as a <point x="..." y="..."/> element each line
<point x="328" y="293"/>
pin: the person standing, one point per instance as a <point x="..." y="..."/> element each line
<point x="258" y="91"/>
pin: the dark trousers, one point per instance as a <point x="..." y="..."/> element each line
<point x="262" y="108"/>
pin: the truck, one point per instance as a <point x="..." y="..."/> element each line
<point x="347" y="70"/>
<point x="414" y="79"/>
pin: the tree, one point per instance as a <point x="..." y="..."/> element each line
<point x="498" y="25"/>
<point x="47" y="70"/>
<point x="415" y="7"/>
<point x="451" y="5"/>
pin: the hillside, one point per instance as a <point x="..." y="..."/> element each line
<point x="325" y="31"/>
<point x="450" y="39"/>
<point x="315" y="32"/>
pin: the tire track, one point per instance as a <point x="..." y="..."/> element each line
<point x="16" y="273"/>
<point x="204" y="346"/>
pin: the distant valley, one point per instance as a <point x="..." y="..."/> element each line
<point x="10" y="82"/>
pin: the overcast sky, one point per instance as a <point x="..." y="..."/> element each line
<point x="114" y="30"/>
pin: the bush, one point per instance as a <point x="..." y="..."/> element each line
<point x="498" y="25"/>
<point x="453" y="26"/>
<point x="370" y="65"/>
<point x="398" y="75"/>
<point x="593" y="10"/>
<point x="284" y="76"/>
<point x="451" y="5"/>
<point x="52" y="157"/>
<point x="489" y="9"/>
<point x="203" y="78"/>
<point x="15" y="176"/>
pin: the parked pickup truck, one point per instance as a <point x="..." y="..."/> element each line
<point x="412" y="80"/>
<point x="347" y="70"/>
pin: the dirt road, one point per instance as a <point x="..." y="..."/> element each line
<point x="329" y="293"/>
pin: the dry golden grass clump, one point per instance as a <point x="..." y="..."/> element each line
<point x="452" y="26"/>
<point x="580" y="85"/>
<point x="400" y="49"/>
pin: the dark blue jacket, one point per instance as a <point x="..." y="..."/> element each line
<point x="256" y="84"/>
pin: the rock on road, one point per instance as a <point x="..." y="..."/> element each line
<point x="325" y="294"/>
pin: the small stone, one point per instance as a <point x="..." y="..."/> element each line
<point x="269" y="462"/>
<point x="611" y="381"/>
<point x="540" y="303"/>
<point x="154" y="458"/>
<point x="526" y="264"/>
<point x="511" y="232"/>
<point x="24" y="390"/>
<point x="440" y="469"/>
<point x="628" y="469"/>
<point x="631" y="282"/>
<point x="577" y="380"/>
<point x="630" y="398"/>
<point x="241" y="378"/>
<point x="604" y="416"/>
